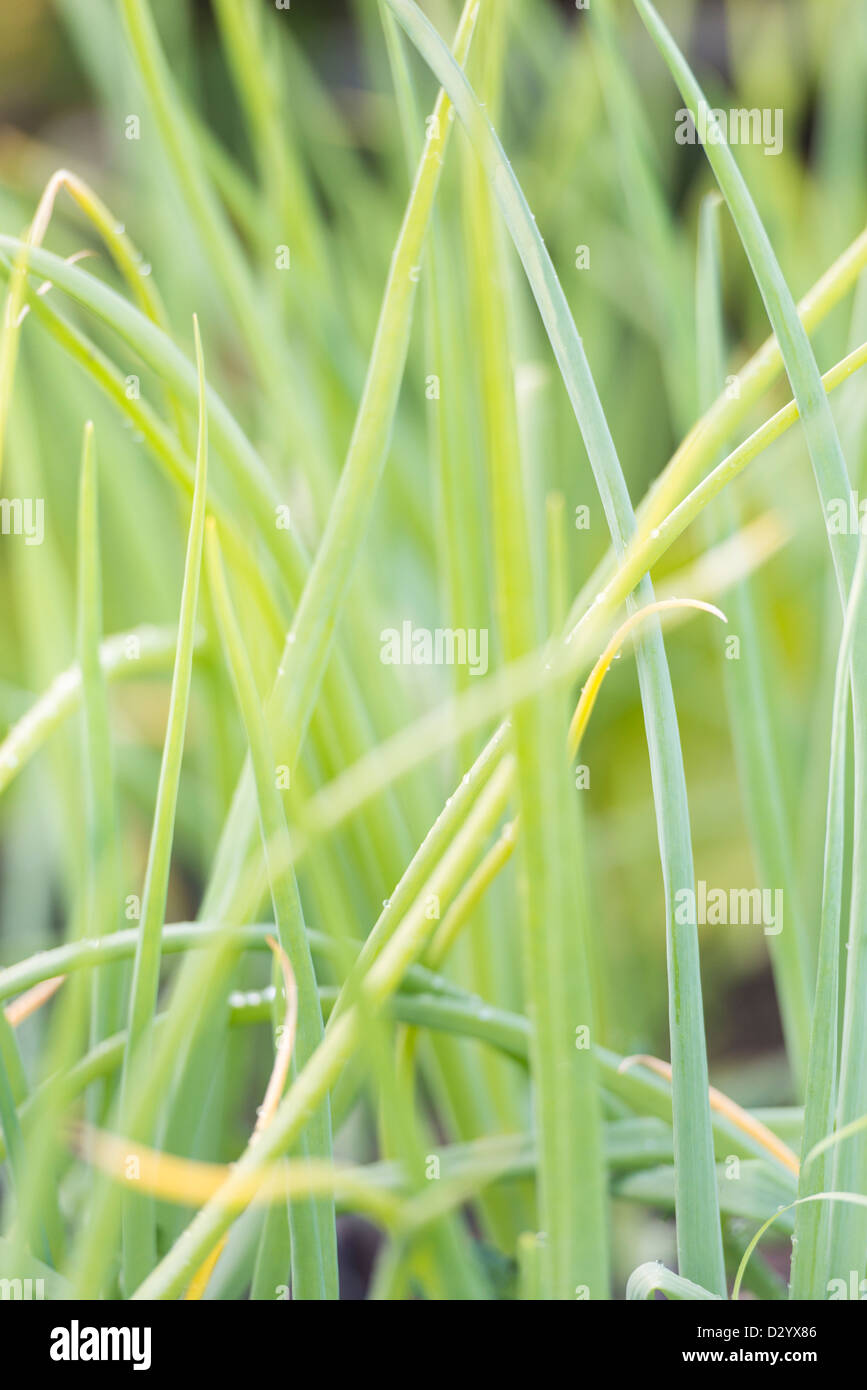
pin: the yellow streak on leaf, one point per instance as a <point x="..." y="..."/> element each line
<point x="199" y="1281"/>
<point x="724" y="1105"/>
<point x="275" y="1088"/>
<point x="27" y="1004"/>
<point x="587" y="700"/>
<point x="283" y="1057"/>
<point x="193" y="1182"/>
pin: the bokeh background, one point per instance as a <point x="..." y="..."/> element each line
<point x="65" y="93"/>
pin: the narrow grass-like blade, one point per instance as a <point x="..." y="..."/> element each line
<point x="102" y="894"/>
<point x="139" y="1232"/>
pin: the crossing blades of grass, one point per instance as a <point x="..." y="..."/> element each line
<point x="810" y="1253"/>
<point x="311" y="1223"/>
<point x="747" y="693"/>
<point x="842" y="1199"/>
<point x="709" y="434"/>
<point x="309" y="641"/>
<point x="315" y="1080"/>
<point x="699" y="1238"/>
<point x="571" y="1195"/>
<point x="832" y="479"/>
<point x="819" y="429"/>
<point x="298" y="186"/>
